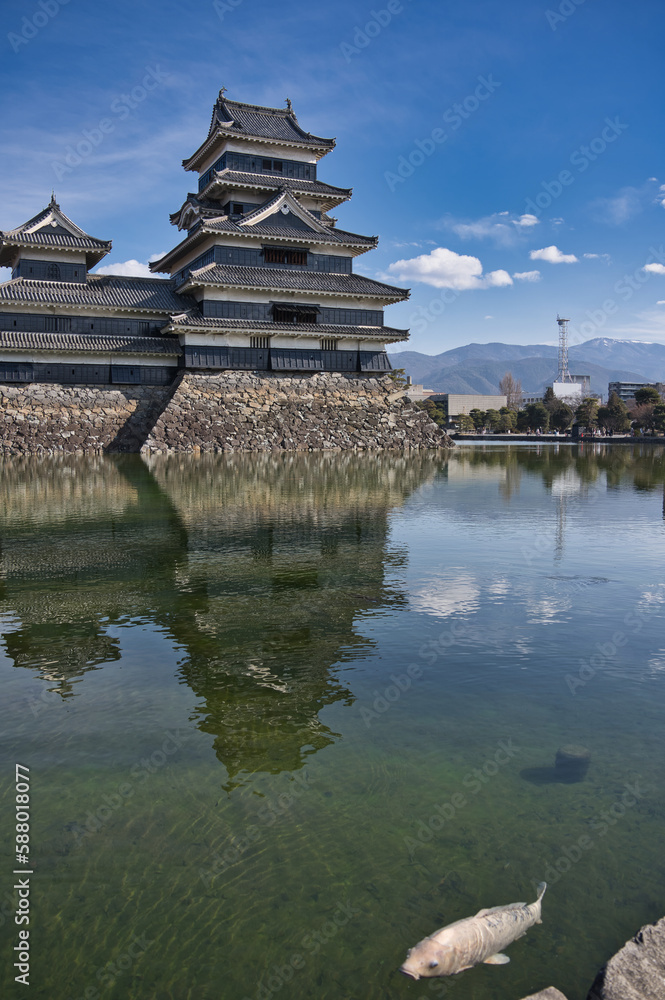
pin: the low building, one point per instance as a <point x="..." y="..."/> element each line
<point x="457" y="403"/>
<point x="627" y="390"/>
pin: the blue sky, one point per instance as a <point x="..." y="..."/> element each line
<point x="509" y="153"/>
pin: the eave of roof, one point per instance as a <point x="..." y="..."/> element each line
<point x="203" y="229"/>
<point x="154" y="296"/>
<point x="89" y="343"/>
<point x="279" y="279"/>
<point x="186" y="323"/>
<point x="239" y="180"/>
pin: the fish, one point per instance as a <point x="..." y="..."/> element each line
<point x="465" y="943"/>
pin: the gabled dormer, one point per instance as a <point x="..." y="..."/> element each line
<point x="50" y="247"/>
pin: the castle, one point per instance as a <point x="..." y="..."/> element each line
<point x="262" y="281"/>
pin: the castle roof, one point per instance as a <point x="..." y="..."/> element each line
<point x="194" y="322"/>
<point x="237" y="180"/>
<point x="100" y="291"/>
<point x="50" y="229"/>
<point x="281" y="217"/>
<point x="233" y="119"/>
<point x="82" y="342"/>
<point x="278" y="279"/>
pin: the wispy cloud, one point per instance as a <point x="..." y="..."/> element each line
<point x="628" y="202"/>
<point x="598" y="256"/>
<point x="444" y="268"/>
<point x="501" y="227"/>
<point x="553" y="256"/>
<point x="527" y="276"/>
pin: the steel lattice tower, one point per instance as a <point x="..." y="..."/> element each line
<point x="563" y="375"/>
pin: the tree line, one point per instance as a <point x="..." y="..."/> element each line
<point x="644" y="414"/>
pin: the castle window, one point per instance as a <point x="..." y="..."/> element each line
<point x="238" y="209"/>
<point x="52" y="272"/>
<point x="262" y="343"/>
<point x="275" y="255"/>
<point x="328" y="344"/>
<point x="294" y="314"/>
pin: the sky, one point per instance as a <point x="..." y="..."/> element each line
<point x="508" y="153"/>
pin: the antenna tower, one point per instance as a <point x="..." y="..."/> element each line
<point x="563" y="374"/>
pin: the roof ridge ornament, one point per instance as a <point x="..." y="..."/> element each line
<point x="222" y="91"/>
<point x="289" y="106"/>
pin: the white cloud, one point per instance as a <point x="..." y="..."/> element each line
<point x="526" y="221"/>
<point x="130" y="268"/>
<point x="553" y="256"/>
<point x="661" y="302"/>
<point x="527" y="276"/>
<point x="489" y="317"/>
<point x="654" y="268"/>
<point x="597" y="256"/>
<point x="501" y="227"/>
<point x="444" y="268"/>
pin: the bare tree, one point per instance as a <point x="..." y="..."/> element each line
<point x="511" y="388"/>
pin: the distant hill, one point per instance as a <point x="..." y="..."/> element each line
<point x="480" y="367"/>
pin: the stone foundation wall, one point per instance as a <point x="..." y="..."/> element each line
<point x="227" y="411"/>
<point x="240" y="411"/>
<point x="43" y="418"/>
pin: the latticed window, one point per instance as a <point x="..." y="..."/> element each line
<point x="276" y="255"/>
<point x="328" y="344"/>
<point x="263" y="343"/>
<point x="294" y="314"/>
<point x="52" y="272"/>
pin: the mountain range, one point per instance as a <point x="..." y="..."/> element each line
<point x="478" y="368"/>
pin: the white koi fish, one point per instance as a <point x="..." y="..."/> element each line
<point x="468" y="942"/>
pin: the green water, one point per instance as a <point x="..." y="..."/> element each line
<point x="285" y="716"/>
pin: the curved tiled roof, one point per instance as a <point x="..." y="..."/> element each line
<point x="323" y="329"/>
<point x="18" y="339"/>
<point x="260" y="182"/>
<point x="270" y="182"/>
<point x="56" y="231"/>
<point x="327" y="235"/>
<point x="236" y="276"/>
<point x="101" y="291"/>
<point x="252" y="121"/>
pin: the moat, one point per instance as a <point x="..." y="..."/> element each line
<point x="285" y="715"/>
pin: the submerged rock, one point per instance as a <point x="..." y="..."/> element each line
<point x="637" y="972"/>
<point x="572" y="763"/>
